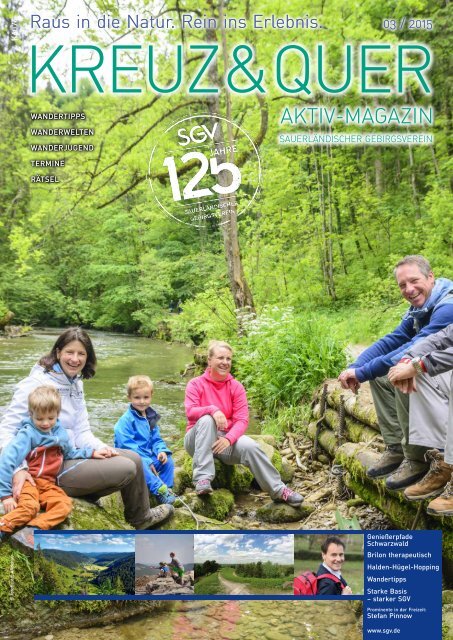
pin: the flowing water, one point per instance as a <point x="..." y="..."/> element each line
<point x="119" y="356"/>
<point x="233" y="620"/>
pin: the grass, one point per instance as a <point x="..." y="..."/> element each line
<point x="208" y="585"/>
<point x="258" y="585"/>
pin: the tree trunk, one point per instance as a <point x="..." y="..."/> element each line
<point x="242" y="295"/>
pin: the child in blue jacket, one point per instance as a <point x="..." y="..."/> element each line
<point x="137" y="430"/>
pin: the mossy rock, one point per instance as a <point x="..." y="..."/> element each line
<point x="216" y="505"/>
<point x="447" y="596"/>
<point x="182" y="520"/>
<point x="108" y="513"/>
<point x="287" y="472"/>
<point x="264" y="437"/>
<point x="183" y="471"/>
<point x="280" y="512"/>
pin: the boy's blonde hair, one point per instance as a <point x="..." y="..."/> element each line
<point x="45" y="398"/>
<point x="136" y="382"/>
<point x="218" y="344"/>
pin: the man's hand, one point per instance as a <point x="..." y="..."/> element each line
<point x="220" y="420"/>
<point x="348" y="380"/>
<point x="346" y="591"/>
<point x="401" y="371"/>
<point x="162" y="457"/>
<point x="406" y="386"/>
<point x="18" y="482"/>
<point x="106" y="452"/>
<point x="220" y="445"/>
<point x="402" y="376"/>
<point x="9" y="504"/>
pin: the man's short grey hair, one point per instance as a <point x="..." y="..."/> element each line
<point x="421" y="262"/>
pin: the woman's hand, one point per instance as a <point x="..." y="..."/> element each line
<point x="220" y="445"/>
<point x="19" y="479"/>
<point x="105" y="452"/>
<point x="9" y="504"/>
<point x="162" y="457"/>
<point x="346" y="591"/>
<point x="220" y="420"/>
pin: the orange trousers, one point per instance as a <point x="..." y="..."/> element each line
<point x="46" y="495"/>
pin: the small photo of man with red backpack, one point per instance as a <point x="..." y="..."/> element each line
<point x="328" y="580"/>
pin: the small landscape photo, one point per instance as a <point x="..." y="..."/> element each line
<point x="243" y="564"/>
<point x="164" y="564"/>
<point x="328" y="564"/>
<point x="84" y="564"/>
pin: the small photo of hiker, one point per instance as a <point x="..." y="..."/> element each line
<point x="164" y="564"/>
<point x="328" y="564"/>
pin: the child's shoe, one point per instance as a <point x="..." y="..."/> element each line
<point x="165" y="495"/>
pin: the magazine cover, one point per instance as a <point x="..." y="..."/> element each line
<point x="225" y="309"/>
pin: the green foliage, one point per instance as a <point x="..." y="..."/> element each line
<point x="17" y="583"/>
<point x="346" y="523"/>
<point x="208" y="585"/>
<point x="209" y="566"/>
<point x="324" y="234"/>
<point x="263" y="584"/>
<point x="284" y="356"/>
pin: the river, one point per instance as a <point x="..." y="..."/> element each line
<point x="232" y="620"/>
<point x="119" y="357"/>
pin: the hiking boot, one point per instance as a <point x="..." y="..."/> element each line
<point x="409" y="472"/>
<point x="156" y="515"/>
<point x="389" y="461"/>
<point x="24" y="540"/>
<point x="443" y="504"/>
<point x="291" y="497"/>
<point x="435" y="480"/>
<point x="203" y="487"/>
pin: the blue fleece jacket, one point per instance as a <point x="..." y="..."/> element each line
<point x="28" y="439"/>
<point x="436" y="314"/>
<point x="134" y="431"/>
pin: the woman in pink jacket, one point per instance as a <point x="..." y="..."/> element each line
<point x="218" y="417"/>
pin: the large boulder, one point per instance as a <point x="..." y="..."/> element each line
<point x="106" y="513"/>
<point x="217" y="505"/>
<point x="275" y="512"/>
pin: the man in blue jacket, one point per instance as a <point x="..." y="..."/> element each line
<point x="431" y="310"/>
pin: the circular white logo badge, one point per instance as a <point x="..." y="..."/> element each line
<point x="204" y="168"/>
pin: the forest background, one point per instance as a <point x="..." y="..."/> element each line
<point x="305" y="271"/>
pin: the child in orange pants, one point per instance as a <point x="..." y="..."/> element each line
<point x="44" y="443"/>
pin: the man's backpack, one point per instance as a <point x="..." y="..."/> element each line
<point x="307" y="583"/>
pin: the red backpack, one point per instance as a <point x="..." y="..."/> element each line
<point x="307" y="583"/>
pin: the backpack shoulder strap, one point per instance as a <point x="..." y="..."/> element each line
<point x="330" y="576"/>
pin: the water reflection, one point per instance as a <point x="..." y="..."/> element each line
<point x="233" y="620"/>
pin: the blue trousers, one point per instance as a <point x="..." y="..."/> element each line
<point x="165" y="472"/>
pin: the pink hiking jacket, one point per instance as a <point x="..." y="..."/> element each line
<point x="205" y="396"/>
